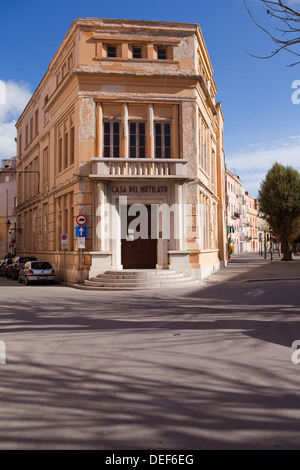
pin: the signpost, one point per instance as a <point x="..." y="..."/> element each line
<point x="81" y="233"/>
<point x="64" y="241"/>
<point x="64" y="247"/>
<point x="81" y="243"/>
<point x="81" y="219"/>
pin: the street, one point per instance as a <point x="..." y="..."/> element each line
<point x="197" y="368"/>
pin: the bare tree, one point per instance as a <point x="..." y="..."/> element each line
<point x="287" y="35"/>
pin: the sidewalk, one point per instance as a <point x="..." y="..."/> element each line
<point x="248" y="267"/>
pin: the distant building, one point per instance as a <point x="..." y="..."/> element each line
<point x="235" y="211"/>
<point x="242" y="216"/>
<point x="8" y="182"/>
<point x="125" y="115"/>
<point x="253" y="233"/>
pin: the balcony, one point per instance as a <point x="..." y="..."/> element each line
<point x="139" y="168"/>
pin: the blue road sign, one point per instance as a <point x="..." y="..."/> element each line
<point x="81" y="231"/>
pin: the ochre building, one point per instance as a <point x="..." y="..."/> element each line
<point x="124" y="128"/>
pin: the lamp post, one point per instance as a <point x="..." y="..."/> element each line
<point x="260" y="245"/>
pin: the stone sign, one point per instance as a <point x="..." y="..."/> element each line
<point x="132" y="189"/>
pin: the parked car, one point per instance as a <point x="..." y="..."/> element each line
<point x="41" y="271"/>
<point x="14" y="268"/>
<point x="4" y="265"/>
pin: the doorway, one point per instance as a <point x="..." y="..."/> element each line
<point x="138" y="248"/>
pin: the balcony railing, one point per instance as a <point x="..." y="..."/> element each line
<point x="115" y="168"/>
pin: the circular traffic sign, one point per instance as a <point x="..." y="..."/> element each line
<point x="81" y="219"/>
<point x="64" y="237"/>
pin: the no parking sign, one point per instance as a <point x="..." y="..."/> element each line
<point x="64" y="241"/>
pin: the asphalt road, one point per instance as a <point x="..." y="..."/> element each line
<point x="205" y="368"/>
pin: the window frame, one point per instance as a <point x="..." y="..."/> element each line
<point x="111" y="46"/>
<point x="114" y="149"/>
<point x="163" y="147"/>
<point x="134" y="46"/>
<point x="139" y="137"/>
<point x="159" y="50"/>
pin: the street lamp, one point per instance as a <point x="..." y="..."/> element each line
<point x="260" y="245"/>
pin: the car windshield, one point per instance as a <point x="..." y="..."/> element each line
<point x="41" y="265"/>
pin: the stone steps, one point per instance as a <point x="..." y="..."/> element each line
<point x="140" y="280"/>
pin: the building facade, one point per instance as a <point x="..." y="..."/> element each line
<point x="242" y="216"/>
<point x="236" y="212"/>
<point x="8" y="182"/>
<point x="124" y="129"/>
<point x="253" y="232"/>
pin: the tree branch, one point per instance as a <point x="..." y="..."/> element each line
<point x="284" y="38"/>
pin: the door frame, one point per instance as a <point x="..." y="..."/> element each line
<point x="162" y="245"/>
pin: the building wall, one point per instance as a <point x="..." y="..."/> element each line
<point x="66" y="145"/>
<point x="253" y="244"/>
<point x="235" y="211"/>
<point x="242" y="216"/>
<point x="7" y="210"/>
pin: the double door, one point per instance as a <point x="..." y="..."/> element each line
<point x="138" y="252"/>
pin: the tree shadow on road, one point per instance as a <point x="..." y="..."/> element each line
<point x="189" y="369"/>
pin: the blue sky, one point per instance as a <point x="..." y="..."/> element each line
<point x="262" y="125"/>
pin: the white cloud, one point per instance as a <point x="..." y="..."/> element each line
<point x="17" y="96"/>
<point x="7" y="140"/>
<point x="286" y="154"/>
<point x="253" y="165"/>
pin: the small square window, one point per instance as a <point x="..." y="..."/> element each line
<point x="111" y="51"/>
<point x="136" y="52"/>
<point x="161" y="53"/>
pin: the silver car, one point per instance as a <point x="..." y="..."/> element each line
<point x="40" y="271"/>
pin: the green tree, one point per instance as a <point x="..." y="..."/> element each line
<point x="279" y="202"/>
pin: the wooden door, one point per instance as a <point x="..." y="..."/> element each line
<point x="139" y="253"/>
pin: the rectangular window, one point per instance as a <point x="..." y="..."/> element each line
<point x="45" y="112"/>
<point x="137" y="140"/>
<point x="20" y="144"/>
<point x="111" y="51"/>
<point x="36" y="173"/>
<point x="162" y="53"/>
<point x="66" y="150"/>
<point x="60" y="151"/>
<point x="72" y="137"/>
<point x="162" y="140"/>
<point x="111" y="139"/>
<point x="136" y="52"/>
<point x="45" y="165"/>
<point x="31" y="129"/>
<point x="36" y="122"/>
<point x="26" y="135"/>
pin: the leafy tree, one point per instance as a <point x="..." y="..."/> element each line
<point x="279" y="202"/>
<point x="286" y="35"/>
